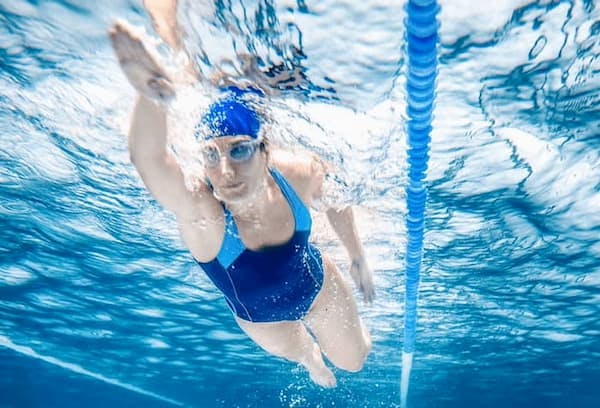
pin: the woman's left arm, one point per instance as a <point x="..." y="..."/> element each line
<point x="342" y="221"/>
<point x="306" y="172"/>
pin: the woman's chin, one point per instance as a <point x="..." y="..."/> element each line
<point x="234" y="193"/>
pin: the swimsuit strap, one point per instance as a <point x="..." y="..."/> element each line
<point x="232" y="246"/>
<point x="299" y="210"/>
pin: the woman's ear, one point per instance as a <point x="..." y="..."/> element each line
<point x="264" y="148"/>
<point x="265" y="151"/>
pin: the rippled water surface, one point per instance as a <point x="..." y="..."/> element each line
<point x="100" y="302"/>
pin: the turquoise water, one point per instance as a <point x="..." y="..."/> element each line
<point x="101" y="303"/>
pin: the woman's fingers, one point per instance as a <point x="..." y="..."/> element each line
<point x="368" y="288"/>
<point x="139" y="65"/>
<point x="162" y="87"/>
<point x="363" y="278"/>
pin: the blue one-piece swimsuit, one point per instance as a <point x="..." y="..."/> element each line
<point x="275" y="283"/>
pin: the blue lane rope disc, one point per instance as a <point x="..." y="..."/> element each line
<point x="421" y="49"/>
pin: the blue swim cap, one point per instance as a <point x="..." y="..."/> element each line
<point x="231" y="115"/>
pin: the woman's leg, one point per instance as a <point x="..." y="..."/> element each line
<point x="291" y="341"/>
<point x="333" y="319"/>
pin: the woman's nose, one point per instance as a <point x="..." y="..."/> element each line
<point x="226" y="168"/>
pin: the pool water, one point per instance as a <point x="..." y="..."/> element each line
<point x="101" y="304"/>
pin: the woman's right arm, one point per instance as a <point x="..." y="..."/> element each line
<point x="156" y="166"/>
<point x="148" y="132"/>
<point x="164" y="20"/>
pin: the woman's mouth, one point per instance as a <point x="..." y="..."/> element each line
<point x="233" y="186"/>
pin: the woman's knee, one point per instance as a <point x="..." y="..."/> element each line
<point x="352" y="362"/>
<point x="347" y="350"/>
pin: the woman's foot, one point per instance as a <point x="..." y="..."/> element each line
<point x="319" y="373"/>
<point x="139" y="65"/>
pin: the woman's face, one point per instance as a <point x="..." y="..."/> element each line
<point x="234" y="166"/>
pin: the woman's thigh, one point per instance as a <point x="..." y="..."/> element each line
<point x="333" y="319"/>
<point x="288" y="339"/>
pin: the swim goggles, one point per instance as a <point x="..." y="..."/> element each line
<point x="237" y="153"/>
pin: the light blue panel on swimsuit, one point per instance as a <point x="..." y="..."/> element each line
<point x="232" y="244"/>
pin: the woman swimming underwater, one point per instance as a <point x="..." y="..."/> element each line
<point x="246" y="221"/>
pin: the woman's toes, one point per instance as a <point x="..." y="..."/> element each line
<point x="323" y="376"/>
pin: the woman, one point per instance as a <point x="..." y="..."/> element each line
<point x="247" y="225"/>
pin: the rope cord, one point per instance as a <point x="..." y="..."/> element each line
<point x="421" y="49"/>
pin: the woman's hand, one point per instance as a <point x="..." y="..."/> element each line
<point x="363" y="278"/>
<point x="138" y="64"/>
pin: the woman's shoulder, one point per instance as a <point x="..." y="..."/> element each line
<point x="303" y="170"/>
<point x="296" y="163"/>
